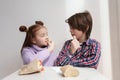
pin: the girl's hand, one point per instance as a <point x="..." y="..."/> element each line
<point x="50" y="46"/>
<point x="74" y="45"/>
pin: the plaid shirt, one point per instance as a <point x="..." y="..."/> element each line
<point x="86" y="56"/>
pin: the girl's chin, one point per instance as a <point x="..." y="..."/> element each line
<point x="43" y="46"/>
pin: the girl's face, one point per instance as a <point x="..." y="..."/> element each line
<point x="41" y="37"/>
<point x="79" y="34"/>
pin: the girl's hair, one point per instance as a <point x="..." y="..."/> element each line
<point x="81" y="21"/>
<point x="30" y="32"/>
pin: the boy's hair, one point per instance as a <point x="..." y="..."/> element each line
<point x="30" y="32"/>
<point x="81" y="21"/>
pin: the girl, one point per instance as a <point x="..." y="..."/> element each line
<point x="37" y="44"/>
<point x="81" y="51"/>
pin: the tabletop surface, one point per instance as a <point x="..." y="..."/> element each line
<point x="54" y="73"/>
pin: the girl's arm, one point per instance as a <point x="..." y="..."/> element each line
<point x="28" y="55"/>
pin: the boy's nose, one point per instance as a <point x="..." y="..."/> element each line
<point x="71" y="32"/>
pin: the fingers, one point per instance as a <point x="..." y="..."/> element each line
<point x="50" y="46"/>
<point x="49" y="42"/>
<point x="74" y="37"/>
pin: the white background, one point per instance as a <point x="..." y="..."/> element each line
<point x="53" y="13"/>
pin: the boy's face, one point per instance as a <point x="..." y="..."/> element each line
<point x="79" y="34"/>
<point x="41" y="37"/>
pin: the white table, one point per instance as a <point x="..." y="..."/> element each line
<point x="54" y="73"/>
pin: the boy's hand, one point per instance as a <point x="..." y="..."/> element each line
<point x="74" y="45"/>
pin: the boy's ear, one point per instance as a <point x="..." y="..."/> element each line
<point x="87" y="28"/>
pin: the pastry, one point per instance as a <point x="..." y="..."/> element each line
<point x="69" y="71"/>
<point x="32" y="67"/>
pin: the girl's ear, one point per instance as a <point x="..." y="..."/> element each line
<point x="33" y="41"/>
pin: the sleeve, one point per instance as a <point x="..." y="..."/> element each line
<point x="88" y="59"/>
<point x="63" y="58"/>
<point x="28" y="55"/>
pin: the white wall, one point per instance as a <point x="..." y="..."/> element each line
<point x="105" y="39"/>
<point x="53" y="13"/>
<point x="114" y="10"/>
<point x="24" y="12"/>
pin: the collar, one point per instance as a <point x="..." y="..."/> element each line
<point x="87" y="42"/>
<point x="38" y="48"/>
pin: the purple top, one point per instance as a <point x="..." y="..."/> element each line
<point x="35" y="52"/>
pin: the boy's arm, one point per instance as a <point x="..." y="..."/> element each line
<point x="63" y="58"/>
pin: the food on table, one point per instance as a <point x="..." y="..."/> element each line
<point x="69" y="71"/>
<point x="33" y="67"/>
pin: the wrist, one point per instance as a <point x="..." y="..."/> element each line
<point x="50" y="49"/>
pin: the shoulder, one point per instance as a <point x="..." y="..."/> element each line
<point x="93" y="41"/>
<point x="27" y="49"/>
<point x="68" y="42"/>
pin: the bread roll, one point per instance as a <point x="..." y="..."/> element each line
<point x="32" y="67"/>
<point x="69" y="71"/>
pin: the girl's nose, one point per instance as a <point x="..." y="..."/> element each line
<point x="47" y="38"/>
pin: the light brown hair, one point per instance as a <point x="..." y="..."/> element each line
<point x="30" y="33"/>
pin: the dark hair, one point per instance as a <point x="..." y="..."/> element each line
<point x="30" y="32"/>
<point x="81" y="21"/>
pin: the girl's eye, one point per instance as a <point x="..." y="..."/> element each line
<point x="43" y="35"/>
